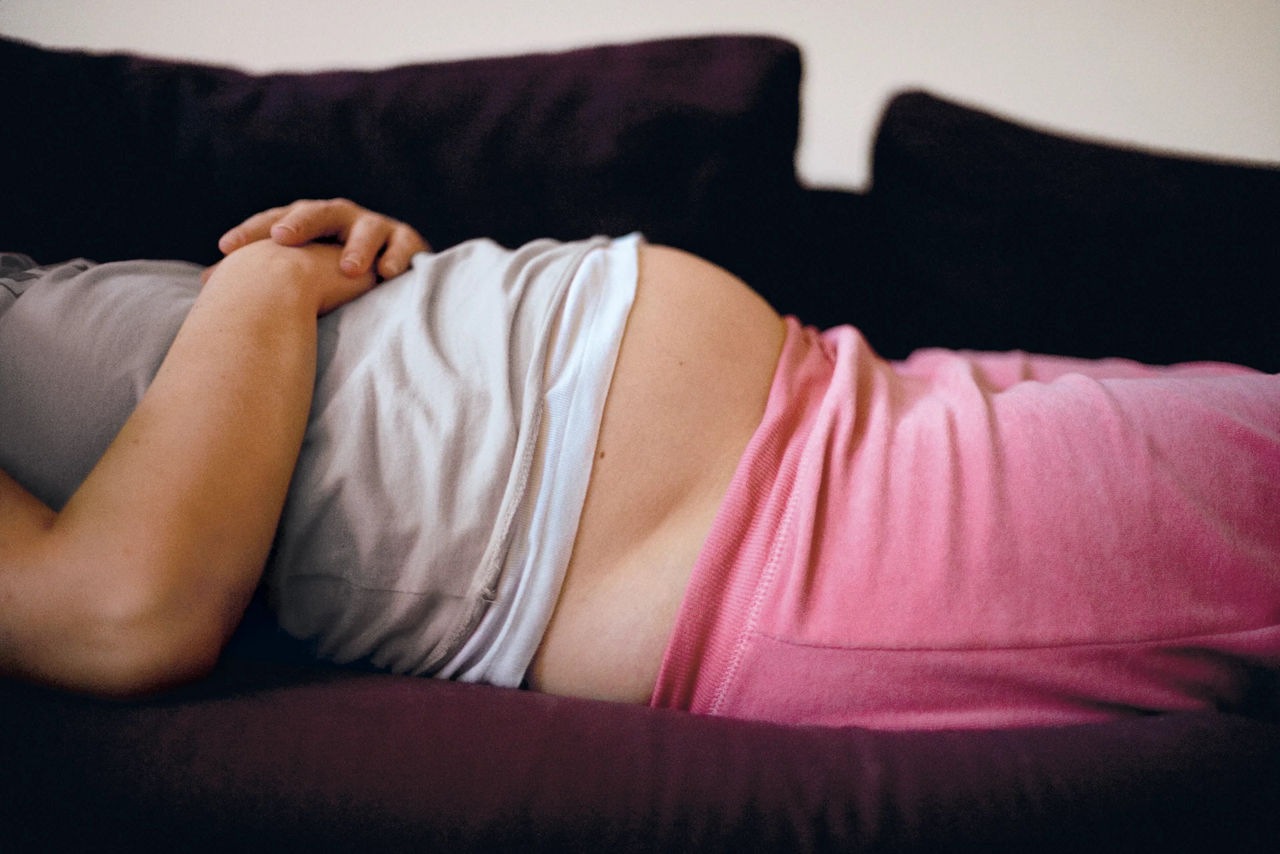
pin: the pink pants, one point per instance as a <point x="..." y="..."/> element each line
<point x="985" y="540"/>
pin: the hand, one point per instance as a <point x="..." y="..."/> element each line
<point x="310" y="271"/>
<point x="364" y="235"/>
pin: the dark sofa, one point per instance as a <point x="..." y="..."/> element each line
<point x="975" y="231"/>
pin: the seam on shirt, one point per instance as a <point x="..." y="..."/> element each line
<point x="489" y="575"/>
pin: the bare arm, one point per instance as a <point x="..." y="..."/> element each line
<point x="140" y="579"/>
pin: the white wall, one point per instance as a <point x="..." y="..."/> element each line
<point x="1188" y="75"/>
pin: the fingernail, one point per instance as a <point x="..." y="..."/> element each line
<point x="282" y="230"/>
<point x="351" y="263"/>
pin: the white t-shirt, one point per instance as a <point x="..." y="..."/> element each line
<point x="445" y="464"/>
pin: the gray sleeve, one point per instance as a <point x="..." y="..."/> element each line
<point x="79" y="344"/>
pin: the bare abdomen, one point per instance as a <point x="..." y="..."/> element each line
<point x="689" y="389"/>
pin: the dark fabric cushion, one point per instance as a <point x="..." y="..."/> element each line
<point x="690" y="140"/>
<point x="278" y="759"/>
<point x="998" y="236"/>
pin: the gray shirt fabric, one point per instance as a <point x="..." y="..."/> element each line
<point x="79" y="344"/>
<point x="428" y="395"/>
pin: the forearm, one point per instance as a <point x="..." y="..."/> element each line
<point x="151" y="562"/>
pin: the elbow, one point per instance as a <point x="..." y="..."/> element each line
<point x="136" y="669"/>
<point x="145" y="641"/>
<point x="117" y="623"/>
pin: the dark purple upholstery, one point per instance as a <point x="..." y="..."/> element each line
<point x="260" y="759"/>
<point x="691" y="141"/>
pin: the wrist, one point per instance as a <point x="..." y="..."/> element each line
<point x="309" y="275"/>
<point x="269" y="277"/>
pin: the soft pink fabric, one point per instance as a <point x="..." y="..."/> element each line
<point x="978" y="540"/>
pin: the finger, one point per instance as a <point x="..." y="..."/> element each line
<point x="309" y="220"/>
<point x="366" y="237"/>
<point x="403" y="244"/>
<point x="352" y="288"/>
<point x="256" y="227"/>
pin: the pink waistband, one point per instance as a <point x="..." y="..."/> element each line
<point x="751" y="536"/>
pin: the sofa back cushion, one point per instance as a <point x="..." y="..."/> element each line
<point x="997" y="235"/>
<point x="115" y="156"/>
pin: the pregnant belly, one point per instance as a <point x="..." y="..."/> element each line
<point x="689" y="389"/>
